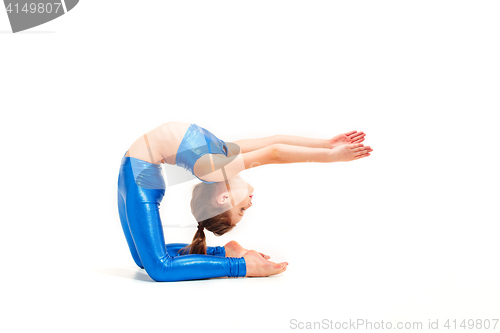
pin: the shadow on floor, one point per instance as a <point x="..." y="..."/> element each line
<point x="127" y="273"/>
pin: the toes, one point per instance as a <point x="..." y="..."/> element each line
<point x="283" y="267"/>
<point x="279" y="268"/>
<point x="265" y="256"/>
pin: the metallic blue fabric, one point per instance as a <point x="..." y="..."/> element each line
<point x="174" y="250"/>
<point x="197" y="142"/>
<point x="139" y="197"/>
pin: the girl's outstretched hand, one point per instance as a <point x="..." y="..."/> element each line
<point x="349" y="152"/>
<point x="349" y="137"/>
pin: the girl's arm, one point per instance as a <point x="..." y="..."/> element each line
<point x="249" y="145"/>
<point x="218" y="168"/>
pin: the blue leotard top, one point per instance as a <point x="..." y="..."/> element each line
<point x="197" y="142"/>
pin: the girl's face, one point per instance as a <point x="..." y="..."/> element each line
<point x="241" y="193"/>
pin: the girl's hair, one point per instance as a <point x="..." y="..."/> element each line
<point x="209" y="214"/>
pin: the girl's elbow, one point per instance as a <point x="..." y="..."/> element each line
<point x="275" y="153"/>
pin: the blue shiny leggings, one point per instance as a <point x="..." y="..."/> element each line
<point x="141" y="188"/>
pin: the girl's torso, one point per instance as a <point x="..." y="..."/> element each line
<point x="159" y="145"/>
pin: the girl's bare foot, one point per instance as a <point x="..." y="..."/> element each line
<point x="349" y="152"/>
<point x="349" y="137"/>
<point x="233" y="249"/>
<point x="258" y="266"/>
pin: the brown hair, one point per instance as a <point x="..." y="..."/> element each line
<point x="210" y="215"/>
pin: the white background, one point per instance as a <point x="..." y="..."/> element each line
<point x="409" y="234"/>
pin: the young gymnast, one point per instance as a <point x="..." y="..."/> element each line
<point x="218" y="202"/>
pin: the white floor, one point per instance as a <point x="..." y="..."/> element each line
<point x="409" y="234"/>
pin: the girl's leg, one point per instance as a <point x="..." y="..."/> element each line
<point x="140" y="200"/>
<point x="123" y="219"/>
<point x="233" y="250"/>
<point x="145" y="226"/>
<point x="173" y="250"/>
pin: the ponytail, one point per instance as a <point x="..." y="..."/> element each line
<point x="199" y="243"/>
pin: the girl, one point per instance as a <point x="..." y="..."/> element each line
<point x="218" y="203"/>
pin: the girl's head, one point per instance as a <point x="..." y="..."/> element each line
<point x="218" y="207"/>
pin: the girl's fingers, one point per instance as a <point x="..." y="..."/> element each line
<point x="360" y="156"/>
<point x="356" y="149"/>
<point x="350" y="133"/>
<point x="356" y="136"/>
<point x="362" y="152"/>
